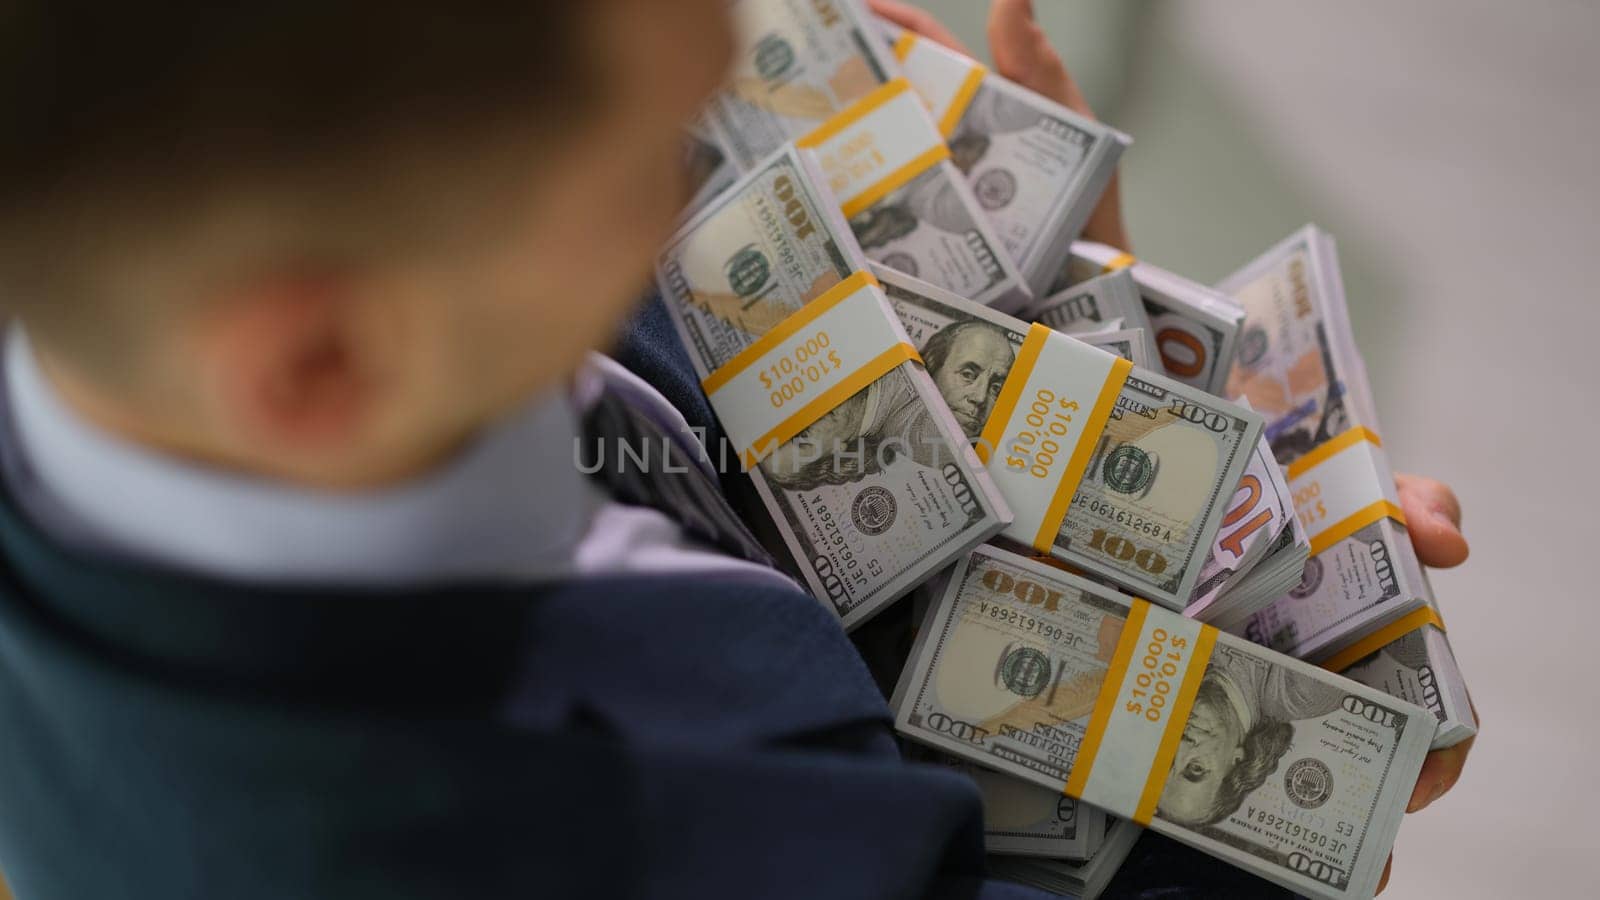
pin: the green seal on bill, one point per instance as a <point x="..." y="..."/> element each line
<point x="748" y="271"/>
<point x="1128" y="470"/>
<point x="774" y="57"/>
<point x="1025" y="672"/>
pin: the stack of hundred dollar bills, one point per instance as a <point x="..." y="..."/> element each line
<point x="1200" y="736"/>
<point x="1161" y="574"/>
<point x="1081" y="878"/>
<point x="1261" y="548"/>
<point x="1364" y="606"/>
<point x="820" y="75"/>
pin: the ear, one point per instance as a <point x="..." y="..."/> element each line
<point x="287" y="366"/>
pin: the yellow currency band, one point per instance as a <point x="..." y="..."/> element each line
<point x="1006" y="405"/>
<point x="806" y="415"/>
<point x="1328" y="448"/>
<point x="782" y="331"/>
<point x="1119" y="262"/>
<point x="1078" y="778"/>
<point x="1161" y="767"/>
<point x="1381" y="638"/>
<point x="1361" y="518"/>
<point x="963" y="95"/>
<point x="1057" y="511"/>
<point x="903" y="45"/>
<point x="854" y="113"/>
<point x="1011" y="391"/>
<point x="827" y="400"/>
<point x="894" y="180"/>
<point x="1105" y="704"/>
<point x="962" y="99"/>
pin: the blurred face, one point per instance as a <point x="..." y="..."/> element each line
<point x="585" y="227"/>
<point x="359" y="371"/>
<point x="1212" y="744"/>
<point x="971" y="375"/>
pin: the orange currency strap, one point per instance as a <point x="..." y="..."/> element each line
<point x="1051" y="411"/>
<point x="1383" y="637"/>
<point x="1118" y="263"/>
<point x="876" y="146"/>
<point x="946" y="80"/>
<point x="816" y="358"/>
<point x="1138" y="719"/>
<point x="1342" y="486"/>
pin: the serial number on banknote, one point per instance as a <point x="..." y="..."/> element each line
<point x="1131" y="520"/>
<point x="807" y="364"/>
<point x="854" y="569"/>
<point x="1311" y="838"/>
<point x="1011" y="616"/>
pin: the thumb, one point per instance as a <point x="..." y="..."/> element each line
<point x="1023" y="53"/>
<point x="1433" y="517"/>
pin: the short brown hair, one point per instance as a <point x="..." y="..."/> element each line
<point x="126" y="117"/>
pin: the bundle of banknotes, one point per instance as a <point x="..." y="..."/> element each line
<point x="1099" y="303"/>
<point x="1194" y="327"/>
<point x="1022" y="819"/>
<point x="1363" y="605"/>
<point x="859" y="462"/>
<point x="1039" y="836"/>
<point x="1031" y="162"/>
<point x="819" y="74"/>
<point x="1142" y="511"/>
<point x="1079" y="878"/>
<point x="1284" y="769"/>
<point x="1260" y="551"/>
<point x="1146" y="521"/>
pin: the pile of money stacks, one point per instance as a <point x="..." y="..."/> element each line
<point x="1146" y="523"/>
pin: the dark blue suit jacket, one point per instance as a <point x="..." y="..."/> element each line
<point x="163" y="735"/>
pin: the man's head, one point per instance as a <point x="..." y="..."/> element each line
<point x="328" y="243"/>
<point x="1220" y="758"/>
<point x="969" y="361"/>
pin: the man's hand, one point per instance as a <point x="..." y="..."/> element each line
<point x="919" y="21"/>
<point x="1433" y="517"/>
<point x="1023" y="53"/>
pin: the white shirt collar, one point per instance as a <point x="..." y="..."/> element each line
<point x="512" y="506"/>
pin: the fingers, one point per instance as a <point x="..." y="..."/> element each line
<point x="919" y="21"/>
<point x="1022" y="53"/>
<point x="1106" y="225"/>
<point x="1435" y="493"/>
<point x="1433" y="517"/>
<point x="1440" y="772"/>
<point x="1384" y="881"/>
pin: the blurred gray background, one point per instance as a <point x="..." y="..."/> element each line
<point x="1450" y="145"/>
